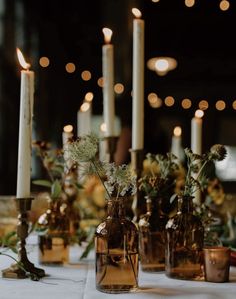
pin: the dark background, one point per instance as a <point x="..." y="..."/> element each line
<point x="201" y="38"/>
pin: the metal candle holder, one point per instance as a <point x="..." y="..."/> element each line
<point x="23" y="266"/>
<point x="137" y="165"/>
<point x="110" y="148"/>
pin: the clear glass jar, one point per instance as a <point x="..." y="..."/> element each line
<point x="54" y="234"/>
<point x="185" y="239"/>
<point x="116" y="246"/>
<point x="152" y="237"/>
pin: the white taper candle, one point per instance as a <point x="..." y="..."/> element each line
<point x="138" y="82"/>
<point x="108" y="83"/>
<point x="25" y="130"/>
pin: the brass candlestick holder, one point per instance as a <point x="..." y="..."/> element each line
<point x="110" y="148"/>
<point x="137" y="165"/>
<point x="23" y="267"/>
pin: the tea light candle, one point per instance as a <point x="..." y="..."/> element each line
<point x="216" y="264"/>
<point x="25" y="129"/>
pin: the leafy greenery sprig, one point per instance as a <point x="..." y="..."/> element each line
<point x="158" y="183"/>
<point x="53" y="162"/>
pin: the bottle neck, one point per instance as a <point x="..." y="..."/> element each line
<point x="152" y="205"/>
<point x="185" y="204"/>
<point x="116" y="208"/>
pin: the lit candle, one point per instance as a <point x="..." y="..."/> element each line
<point x="196" y="132"/>
<point x="25" y="129"/>
<point x="108" y="87"/>
<point x="84" y="119"/>
<point x="176" y="145"/>
<point x="67" y="134"/>
<point x="138" y="82"/>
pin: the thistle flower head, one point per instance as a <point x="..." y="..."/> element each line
<point x="218" y="152"/>
<point x="197" y="165"/>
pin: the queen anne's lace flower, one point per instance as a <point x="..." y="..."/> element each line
<point x="117" y="180"/>
<point x="84" y="149"/>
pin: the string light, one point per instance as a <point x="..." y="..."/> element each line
<point x="152" y="97"/>
<point x="189" y="3"/>
<point x="86" y="75"/>
<point x="234" y="105"/>
<point x="186" y="103"/>
<point x="169" y="101"/>
<point x="70" y="67"/>
<point x="100" y="82"/>
<point x="44" y="61"/>
<point x="224" y="5"/>
<point x="220" y="105"/>
<point x="203" y="105"/>
<point x="119" y="88"/>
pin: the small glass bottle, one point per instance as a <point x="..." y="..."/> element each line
<point x="185" y="239"/>
<point x="116" y="246"/>
<point x="152" y="237"/>
<point x="54" y="234"/>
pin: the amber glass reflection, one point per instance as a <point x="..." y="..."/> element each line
<point x="152" y="237"/>
<point x="116" y="245"/>
<point x="185" y="237"/>
<point x="54" y="238"/>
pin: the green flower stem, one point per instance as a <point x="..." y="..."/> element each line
<point x="18" y="263"/>
<point x="97" y="171"/>
<point x="201" y="169"/>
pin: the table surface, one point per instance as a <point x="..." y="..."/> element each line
<point x="76" y="280"/>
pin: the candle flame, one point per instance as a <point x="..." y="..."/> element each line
<point x="103" y="127"/>
<point x="89" y="96"/>
<point x="107" y="35"/>
<point x="137" y="13"/>
<point x="85" y="107"/>
<point x="68" y="128"/>
<point x="21" y="59"/>
<point x="199" y="113"/>
<point x="177" y="131"/>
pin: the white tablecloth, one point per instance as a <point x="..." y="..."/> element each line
<point x="77" y="281"/>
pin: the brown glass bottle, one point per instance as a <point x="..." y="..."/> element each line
<point x="152" y="237"/>
<point x="54" y="235"/>
<point x="185" y="238"/>
<point x="116" y="246"/>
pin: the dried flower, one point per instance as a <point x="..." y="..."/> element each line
<point x="159" y="183"/>
<point x="218" y="152"/>
<point x="117" y="180"/>
<point x="120" y="180"/>
<point x="197" y="163"/>
<point x="84" y="149"/>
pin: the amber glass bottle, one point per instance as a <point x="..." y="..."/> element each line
<point x="185" y="239"/>
<point x="152" y="237"/>
<point x="54" y="235"/>
<point x="116" y="246"/>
